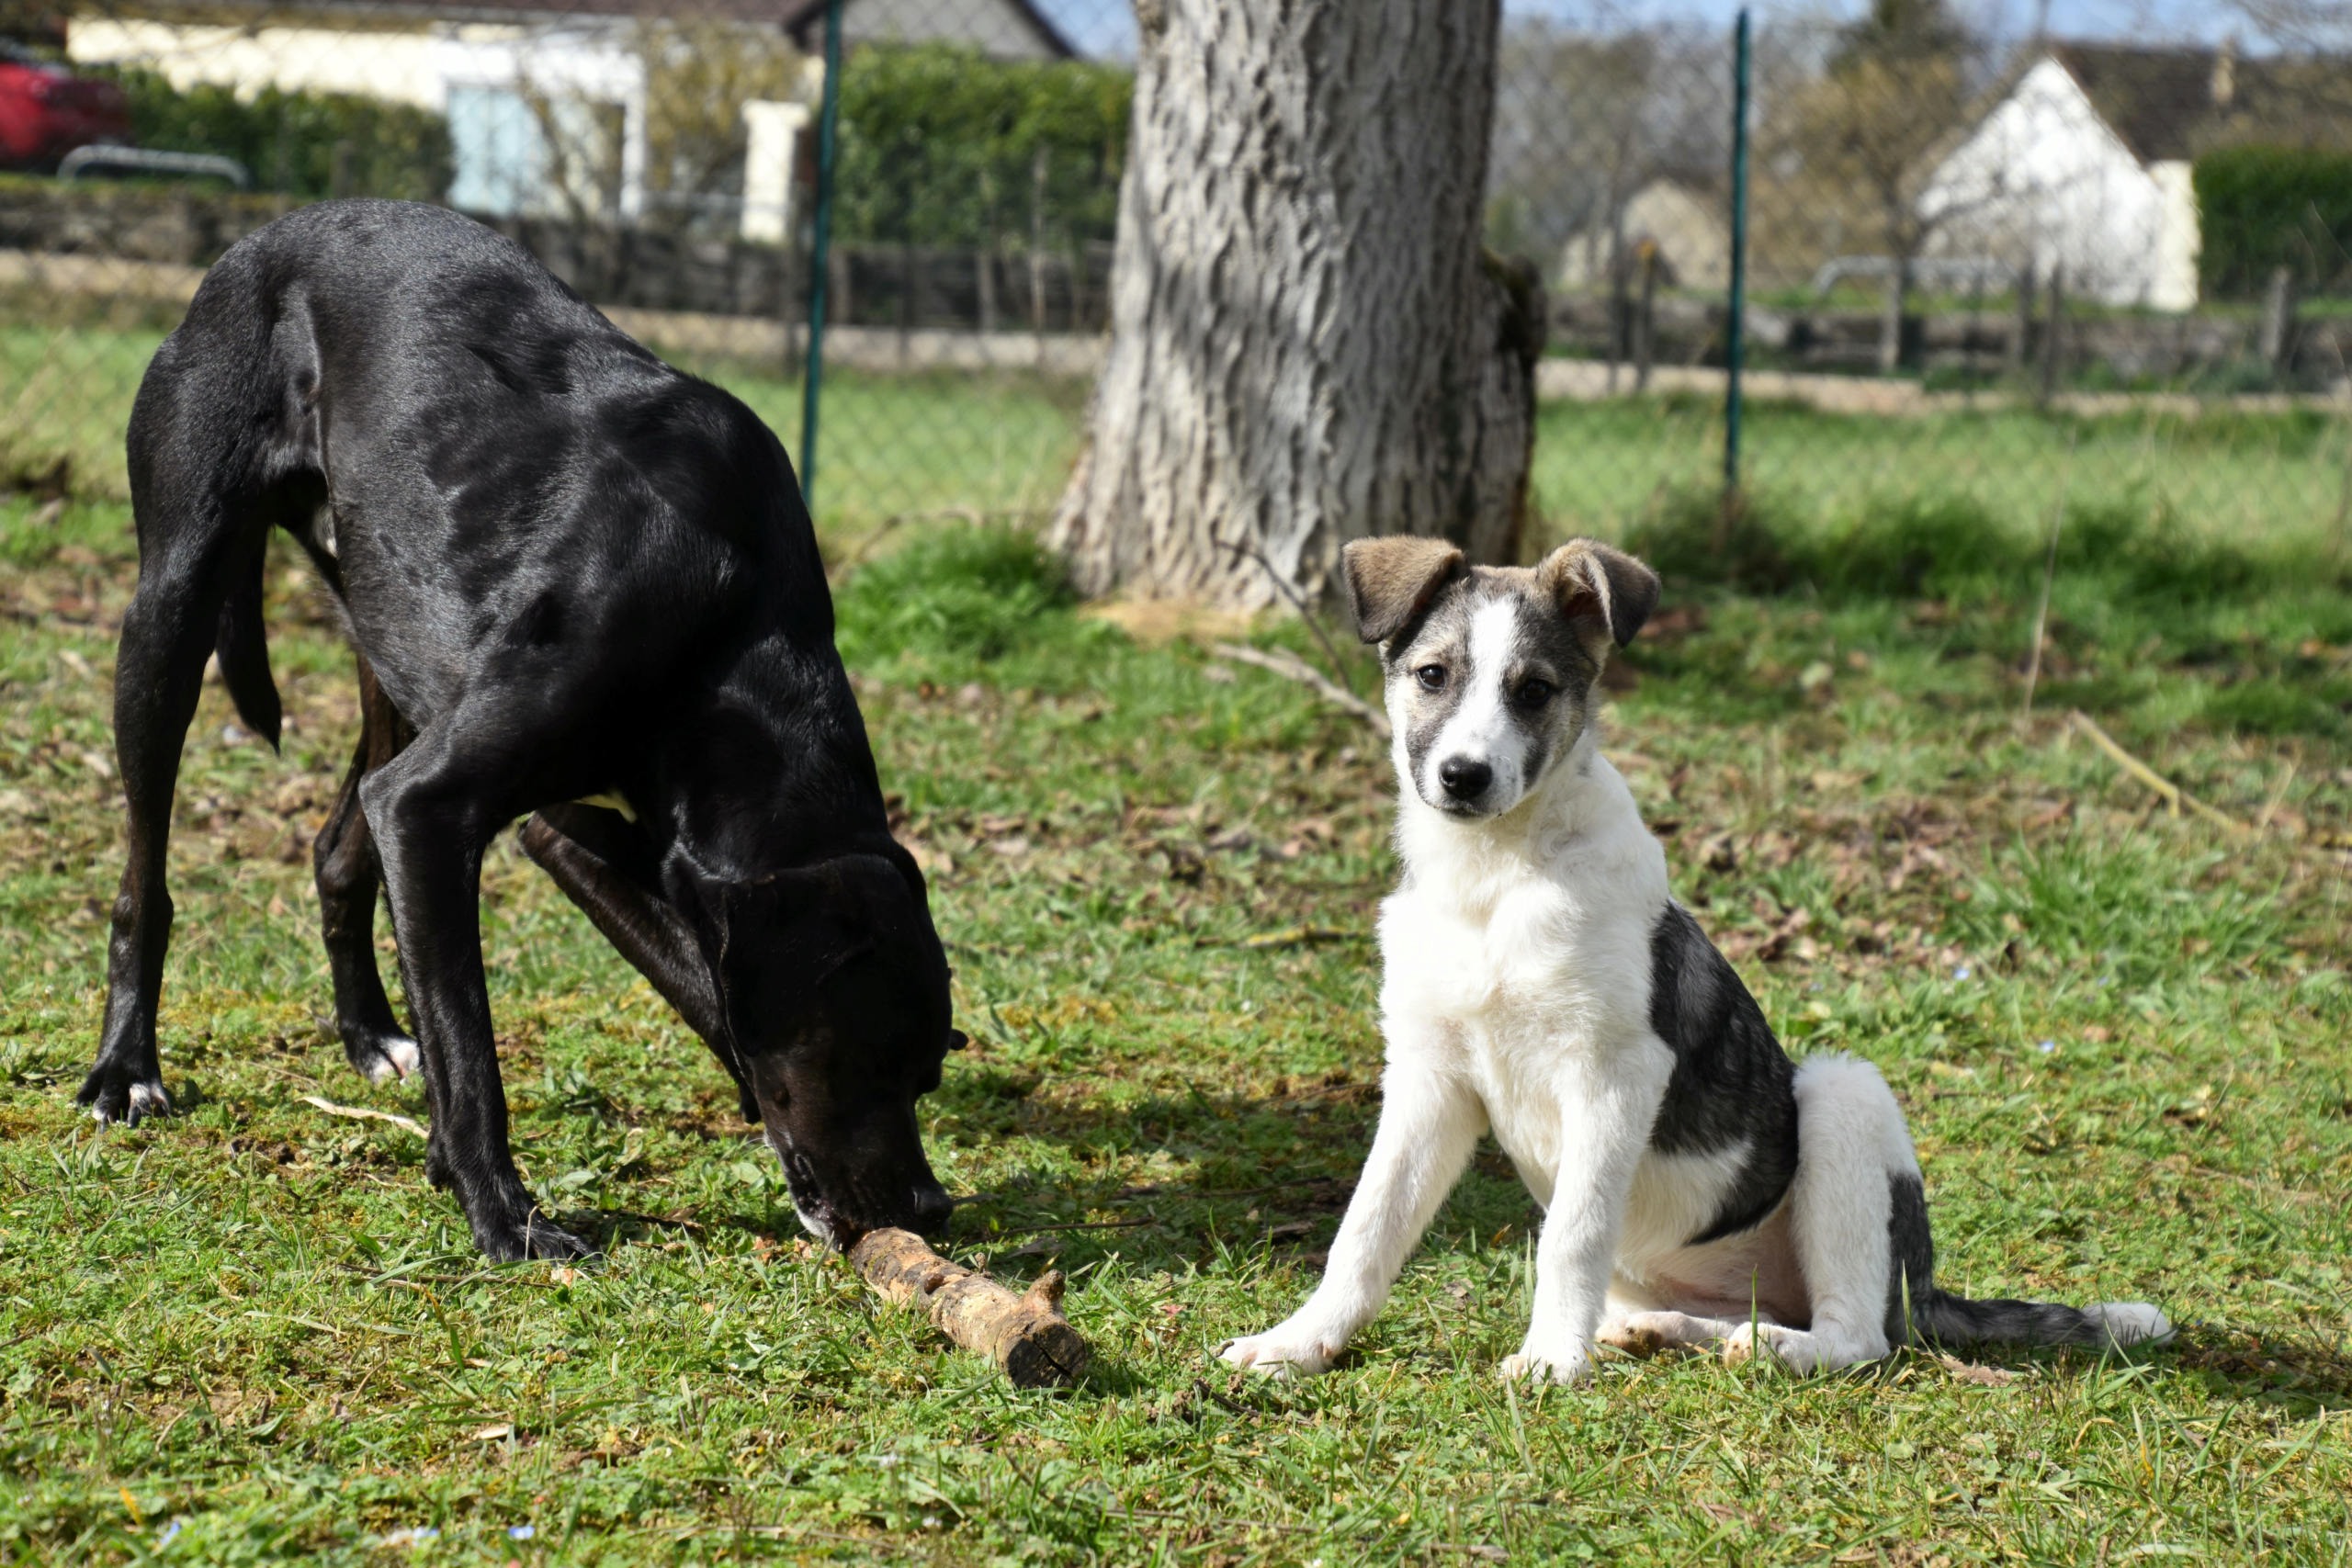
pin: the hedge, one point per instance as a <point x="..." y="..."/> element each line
<point x="289" y="139"/>
<point x="941" y="146"/>
<point x="2260" y="208"/>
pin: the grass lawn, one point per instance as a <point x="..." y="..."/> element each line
<point x="254" y="1332"/>
<point x="1002" y="445"/>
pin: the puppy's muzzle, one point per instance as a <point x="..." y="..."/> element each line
<point x="1465" y="780"/>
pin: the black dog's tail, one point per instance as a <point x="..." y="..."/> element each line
<point x="243" y="646"/>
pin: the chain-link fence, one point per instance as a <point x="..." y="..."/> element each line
<point x="1984" y="272"/>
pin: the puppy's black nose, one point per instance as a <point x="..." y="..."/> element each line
<point x="1463" y="779"/>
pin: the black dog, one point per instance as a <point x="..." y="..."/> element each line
<point x="567" y="570"/>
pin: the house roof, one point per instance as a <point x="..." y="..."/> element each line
<point x="802" y="19"/>
<point x="805" y="19"/>
<point x="2173" y="103"/>
<point x="2156" y="100"/>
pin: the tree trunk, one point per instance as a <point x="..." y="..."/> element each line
<point x="1309" y="345"/>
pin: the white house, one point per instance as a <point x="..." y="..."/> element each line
<point x="2082" y="160"/>
<point x="485" y="66"/>
<point x="1689" y="226"/>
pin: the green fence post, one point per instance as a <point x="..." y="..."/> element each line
<point x="1736" y="330"/>
<point x="819" y="253"/>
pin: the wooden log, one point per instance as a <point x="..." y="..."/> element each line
<point x="1026" y="1335"/>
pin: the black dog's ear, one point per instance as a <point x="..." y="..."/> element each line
<point x="1600" y="589"/>
<point x="780" y="937"/>
<point x="1391" y="580"/>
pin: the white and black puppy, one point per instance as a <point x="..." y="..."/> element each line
<point x="1541" y="983"/>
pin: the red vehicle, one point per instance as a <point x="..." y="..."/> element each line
<point x="46" y="111"/>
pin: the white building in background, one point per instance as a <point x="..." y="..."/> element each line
<point x="1687" y="223"/>
<point x="2082" y="159"/>
<point x="546" y="99"/>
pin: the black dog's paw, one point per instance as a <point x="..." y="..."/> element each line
<point x="533" y="1235"/>
<point x="382" y="1055"/>
<point x="117" y="1094"/>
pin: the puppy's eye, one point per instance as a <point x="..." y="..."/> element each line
<point x="1535" y="694"/>
<point x="1431" y="677"/>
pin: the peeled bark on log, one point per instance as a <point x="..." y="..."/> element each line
<point x="1309" y="345"/>
<point x="1026" y="1335"/>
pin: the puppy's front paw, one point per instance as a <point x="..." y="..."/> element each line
<point x="1286" y="1350"/>
<point x="1792" y="1348"/>
<point x="1561" y="1363"/>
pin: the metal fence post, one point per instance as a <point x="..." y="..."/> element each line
<point x="1736" y="331"/>
<point x="820" y="253"/>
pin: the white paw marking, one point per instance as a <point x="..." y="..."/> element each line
<point x="1281" y="1353"/>
<point x="401" y="1059"/>
<point x="1561" y="1366"/>
<point x="2132" y="1323"/>
<point x="148" y="1099"/>
<point x="1797" y="1350"/>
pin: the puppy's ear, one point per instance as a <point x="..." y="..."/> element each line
<point x="1604" y="591"/>
<point x="1391" y="580"/>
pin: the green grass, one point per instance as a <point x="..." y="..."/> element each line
<point x="913" y="448"/>
<point x="889" y="445"/>
<point x="2120" y="1037"/>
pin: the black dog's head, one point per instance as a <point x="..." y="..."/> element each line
<point x="835" y="990"/>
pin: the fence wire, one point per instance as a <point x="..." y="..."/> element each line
<point x="1982" y="270"/>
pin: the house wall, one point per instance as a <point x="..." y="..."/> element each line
<point x="2043" y="182"/>
<point x="1692" y="237"/>
<point x="476" y="73"/>
<point x="2179" y="240"/>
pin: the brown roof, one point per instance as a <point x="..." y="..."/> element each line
<point x="2173" y="103"/>
<point x="805" y="20"/>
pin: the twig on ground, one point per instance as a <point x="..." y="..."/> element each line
<point x="1283" y="586"/>
<point x="361" y="1114"/>
<point x="1026" y="1335"/>
<point x="1071" y="1225"/>
<point x="1291" y="667"/>
<point x="1294" y="936"/>
<point x="2049" y="576"/>
<point x="2173" y="796"/>
<point x="2278" y="798"/>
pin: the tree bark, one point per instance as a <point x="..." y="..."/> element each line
<point x="1308" y="344"/>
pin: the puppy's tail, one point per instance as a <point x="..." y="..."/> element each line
<point x="243" y="648"/>
<point x="1923" y="1311"/>
<point x="1944" y="1318"/>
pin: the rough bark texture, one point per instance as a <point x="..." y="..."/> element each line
<point x="1309" y="345"/>
<point x="1026" y="1334"/>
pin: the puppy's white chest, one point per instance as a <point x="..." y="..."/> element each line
<point x="1440" y="962"/>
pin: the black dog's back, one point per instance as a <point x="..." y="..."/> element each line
<point x="454" y="436"/>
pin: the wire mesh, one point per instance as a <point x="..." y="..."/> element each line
<point x="1985" y="270"/>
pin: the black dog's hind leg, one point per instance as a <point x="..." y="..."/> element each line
<point x="349" y="879"/>
<point x="606" y="867"/>
<point x="433" y="810"/>
<point x="188" y="549"/>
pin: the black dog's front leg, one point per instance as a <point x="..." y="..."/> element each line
<point x="431" y="823"/>
<point x="605" y="867"/>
